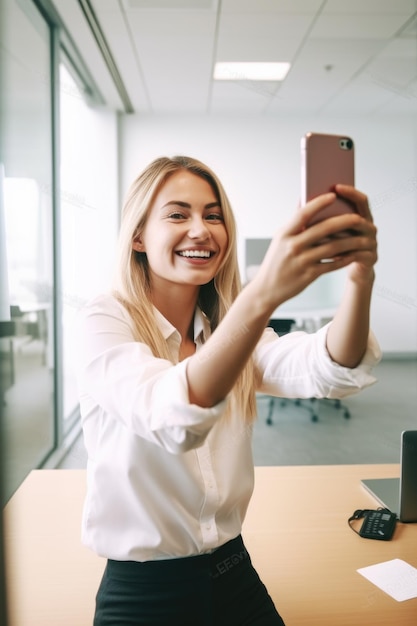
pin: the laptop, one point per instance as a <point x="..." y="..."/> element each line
<point x="399" y="495"/>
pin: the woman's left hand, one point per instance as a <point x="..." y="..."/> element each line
<point x="364" y="242"/>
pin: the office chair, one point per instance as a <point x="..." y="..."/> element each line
<point x="30" y="326"/>
<point x="282" y="327"/>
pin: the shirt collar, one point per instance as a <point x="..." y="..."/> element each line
<point x="201" y="326"/>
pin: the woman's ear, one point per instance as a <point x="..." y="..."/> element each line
<point x="138" y="244"/>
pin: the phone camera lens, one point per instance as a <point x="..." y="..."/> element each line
<point x="346" y="144"/>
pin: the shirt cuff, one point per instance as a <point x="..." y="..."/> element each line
<point x="181" y="425"/>
<point x="345" y="380"/>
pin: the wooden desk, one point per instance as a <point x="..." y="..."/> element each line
<point x="296" y="531"/>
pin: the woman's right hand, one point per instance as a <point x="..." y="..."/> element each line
<point x="299" y="254"/>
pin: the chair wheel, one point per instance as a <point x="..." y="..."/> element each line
<point x="314" y="418"/>
<point x="346" y="415"/>
<point x="269" y="421"/>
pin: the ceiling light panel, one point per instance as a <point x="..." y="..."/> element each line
<point x="251" y="71"/>
<point x="170" y="4"/>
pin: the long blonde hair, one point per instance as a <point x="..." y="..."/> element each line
<point x="132" y="284"/>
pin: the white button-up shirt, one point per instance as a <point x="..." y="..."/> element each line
<point x="166" y="478"/>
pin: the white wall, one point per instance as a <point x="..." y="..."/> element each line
<point x="258" y="161"/>
<point x="89" y="199"/>
<point x="89" y="215"/>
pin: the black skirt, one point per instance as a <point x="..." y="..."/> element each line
<point x="217" y="589"/>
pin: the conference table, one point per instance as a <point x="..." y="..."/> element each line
<point x="296" y="531"/>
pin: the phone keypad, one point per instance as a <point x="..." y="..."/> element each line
<point x="378" y="525"/>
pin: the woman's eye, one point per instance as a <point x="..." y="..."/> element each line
<point x="177" y="216"/>
<point x="215" y="217"/>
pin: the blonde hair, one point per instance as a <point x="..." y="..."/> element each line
<point x="132" y="284"/>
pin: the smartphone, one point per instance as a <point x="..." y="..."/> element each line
<point x="325" y="161"/>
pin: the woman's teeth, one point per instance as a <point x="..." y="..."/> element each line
<point x="202" y="254"/>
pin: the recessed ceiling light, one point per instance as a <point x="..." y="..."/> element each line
<point x="250" y="71"/>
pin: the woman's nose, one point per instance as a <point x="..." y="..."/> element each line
<point x="198" y="229"/>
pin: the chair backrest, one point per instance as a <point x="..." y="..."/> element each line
<point x="281" y="326"/>
<point x="7" y="328"/>
<point x="15" y="311"/>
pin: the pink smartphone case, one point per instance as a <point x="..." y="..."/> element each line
<point x="325" y="161"/>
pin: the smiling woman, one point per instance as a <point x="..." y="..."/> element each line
<point x="168" y="365"/>
<point x="191" y="229"/>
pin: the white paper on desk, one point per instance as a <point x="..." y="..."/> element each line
<point x="397" y="578"/>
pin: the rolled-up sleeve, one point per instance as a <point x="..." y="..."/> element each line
<point x="120" y="379"/>
<point x="298" y="365"/>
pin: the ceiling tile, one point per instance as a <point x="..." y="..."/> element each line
<point x="372" y="7"/>
<point x="257" y="49"/>
<point x="248" y="30"/>
<point x="241" y="96"/>
<point x="169" y="4"/>
<point x="307" y="7"/>
<point x="362" y="96"/>
<point x="404" y="102"/>
<point x="357" y="26"/>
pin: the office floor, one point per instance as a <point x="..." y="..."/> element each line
<point x="371" y="435"/>
<point x="27" y="413"/>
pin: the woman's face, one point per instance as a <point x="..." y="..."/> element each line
<point x="184" y="238"/>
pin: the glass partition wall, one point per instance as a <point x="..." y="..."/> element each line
<point x="28" y="389"/>
<point x="57" y="187"/>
